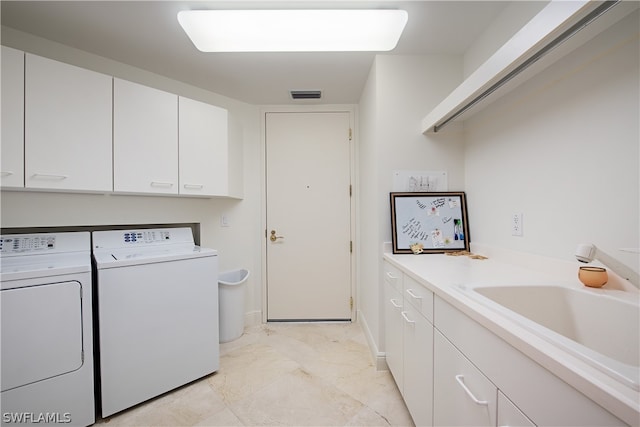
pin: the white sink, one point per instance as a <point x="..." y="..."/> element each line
<point x="596" y="325"/>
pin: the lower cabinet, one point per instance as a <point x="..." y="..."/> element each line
<point x="463" y="395"/>
<point x="452" y="371"/>
<point x="539" y="395"/>
<point x="409" y="342"/>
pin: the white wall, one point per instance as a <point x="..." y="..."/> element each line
<point x="238" y="244"/>
<point x="563" y="149"/>
<point x="399" y="92"/>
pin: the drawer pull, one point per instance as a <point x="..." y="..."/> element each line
<point x="7" y="173"/>
<point x="460" y="379"/>
<point x="193" y="186"/>
<point x="404" y="314"/>
<point x="48" y="176"/>
<point x="394" y="303"/>
<point x="391" y="276"/>
<point x="161" y="184"/>
<point x="413" y="295"/>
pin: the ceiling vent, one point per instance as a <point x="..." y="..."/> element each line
<point x="306" y="94"/>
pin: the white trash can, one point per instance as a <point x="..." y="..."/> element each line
<point x="231" y="303"/>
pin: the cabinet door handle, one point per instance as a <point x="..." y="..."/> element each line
<point x="404" y="314"/>
<point x="7" y="173"/>
<point x="49" y="176"/>
<point x="161" y="184"/>
<point x="460" y="379"/>
<point x="194" y="186"/>
<point x="394" y="303"/>
<point x="391" y="276"/>
<point x="413" y="295"/>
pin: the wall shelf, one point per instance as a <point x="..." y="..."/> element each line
<point x="538" y="44"/>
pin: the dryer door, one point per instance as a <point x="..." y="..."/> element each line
<point x="41" y="332"/>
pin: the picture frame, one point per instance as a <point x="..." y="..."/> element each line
<point x="434" y="222"/>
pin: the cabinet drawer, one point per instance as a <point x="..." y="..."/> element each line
<point x="393" y="276"/>
<point x="463" y="395"/>
<point x="419" y="297"/>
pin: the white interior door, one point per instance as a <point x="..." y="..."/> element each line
<point x="309" y="215"/>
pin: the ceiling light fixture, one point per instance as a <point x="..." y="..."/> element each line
<point x="293" y="30"/>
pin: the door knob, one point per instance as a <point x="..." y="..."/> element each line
<point x="273" y="236"/>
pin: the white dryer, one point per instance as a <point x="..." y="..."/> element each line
<point x="47" y="335"/>
<point x="157" y="300"/>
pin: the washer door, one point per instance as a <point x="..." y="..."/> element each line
<point x="41" y="332"/>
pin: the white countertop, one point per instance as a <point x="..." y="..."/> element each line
<point x="442" y="274"/>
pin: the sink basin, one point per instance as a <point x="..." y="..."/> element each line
<point x="599" y="328"/>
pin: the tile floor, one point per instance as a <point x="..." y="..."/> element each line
<point x="283" y="374"/>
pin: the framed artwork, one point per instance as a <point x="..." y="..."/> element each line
<point x="429" y="222"/>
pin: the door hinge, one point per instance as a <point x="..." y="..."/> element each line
<point x="351" y="303"/>
<point x="350" y="190"/>
<point x="350" y="134"/>
<point x="350" y="246"/>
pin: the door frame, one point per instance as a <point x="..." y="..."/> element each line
<point x="353" y="173"/>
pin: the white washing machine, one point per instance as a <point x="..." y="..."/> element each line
<point x="157" y="313"/>
<point x="47" y="335"/>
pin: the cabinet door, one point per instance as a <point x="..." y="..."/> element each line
<point x="463" y="396"/>
<point x="393" y="334"/>
<point x="67" y="127"/>
<point x="418" y="296"/>
<point x="509" y="415"/>
<point x="145" y="139"/>
<point x="12" y="155"/>
<point x="418" y="365"/>
<point x="203" y="141"/>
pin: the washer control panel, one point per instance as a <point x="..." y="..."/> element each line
<point x="146" y="236"/>
<point x="141" y="238"/>
<point x="9" y="244"/>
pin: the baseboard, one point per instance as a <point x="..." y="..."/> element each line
<point x="253" y="318"/>
<point x="379" y="357"/>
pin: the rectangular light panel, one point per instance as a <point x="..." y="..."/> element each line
<point x="293" y="30"/>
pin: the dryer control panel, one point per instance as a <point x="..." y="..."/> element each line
<point x="27" y="243"/>
<point x="44" y="243"/>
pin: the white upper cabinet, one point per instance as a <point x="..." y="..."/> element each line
<point x="145" y="139"/>
<point x="12" y="155"/>
<point x="204" y="149"/>
<point x="67" y="127"/>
